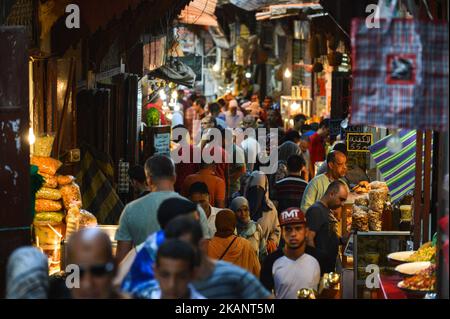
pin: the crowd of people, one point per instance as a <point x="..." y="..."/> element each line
<point x="213" y="230"/>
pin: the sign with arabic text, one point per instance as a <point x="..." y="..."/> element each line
<point x="359" y="142"/>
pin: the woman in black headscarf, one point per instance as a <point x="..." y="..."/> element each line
<point x="262" y="210"/>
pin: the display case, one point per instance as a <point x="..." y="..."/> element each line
<point x="371" y="248"/>
<point x="291" y="106"/>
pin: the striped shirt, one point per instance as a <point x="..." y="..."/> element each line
<point x="289" y="192"/>
<point x="231" y="282"/>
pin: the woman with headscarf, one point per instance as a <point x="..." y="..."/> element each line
<point x="27" y="274"/>
<point x="262" y="210"/>
<point x="225" y="245"/>
<point x="248" y="228"/>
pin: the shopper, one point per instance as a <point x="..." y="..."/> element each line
<point x="199" y="194"/>
<point x="185" y="166"/>
<point x="137" y="180"/>
<point x="216" y="185"/>
<point x="299" y="121"/>
<point x="247" y="228"/>
<point x="174" y="270"/>
<point x="225" y="245"/>
<point x="216" y="279"/>
<point x="233" y="117"/>
<point x="141" y="273"/>
<point x="286" y="150"/>
<point x="262" y="210"/>
<point x="195" y="113"/>
<point x="214" y="110"/>
<point x="318" y="140"/>
<point x="139" y="218"/>
<point x="292" y="268"/>
<point x="27" y="274"/>
<point x="91" y="251"/>
<point x="304" y="148"/>
<point x="337" y="168"/>
<point x="250" y="143"/>
<point x="322" y="225"/>
<point x="288" y="192"/>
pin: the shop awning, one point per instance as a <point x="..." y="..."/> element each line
<point x="284" y="10"/>
<point x="200" y="12"/>
<point x="253" y="5"/>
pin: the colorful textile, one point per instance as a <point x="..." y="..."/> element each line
<point x="397" y="169"/>
<point x="400" y="74"/>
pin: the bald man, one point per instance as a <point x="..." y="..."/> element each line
<point x="90" y="249"/>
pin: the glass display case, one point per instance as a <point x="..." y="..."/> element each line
<point x="370" y="250"/>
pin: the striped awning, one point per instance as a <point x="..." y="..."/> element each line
<point x="199" y="12"/>
<point x="398" y="169"/>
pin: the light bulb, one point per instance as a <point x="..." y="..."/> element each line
<point x="31" y="137"/>
<point x="287" y="73"/>
<point x="216" y="67"/>
<point x="344" y="123"/>
<point x="162" y="95"/>
<point x="394" y="144"/>
<point x="174" y="94"/>
<point x="295" y="106"/>
<point x="248" y="75"/>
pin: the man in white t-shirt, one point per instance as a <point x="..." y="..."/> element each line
<point x="287" y="271"/>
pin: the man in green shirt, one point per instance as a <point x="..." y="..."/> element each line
<point x="336" y="169"/>
<point x="139" y="218"/>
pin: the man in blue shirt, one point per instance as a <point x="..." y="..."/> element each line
<point x="141" y="272"/>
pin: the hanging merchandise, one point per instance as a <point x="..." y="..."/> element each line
<point x="397" y="166"/>
<point x="175" y="71"/>
<point x="400" y="73"/>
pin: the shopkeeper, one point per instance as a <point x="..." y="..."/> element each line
<point x="322" y="225"/>
<point x="336" y="169"/>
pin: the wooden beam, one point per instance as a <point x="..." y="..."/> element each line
<point x="427" y="186"/>
<point x="66" y="103"/>
<point x="418" y="190"/>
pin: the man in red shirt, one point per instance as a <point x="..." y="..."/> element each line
<point x="195" y="112"/>
<point x="317" y="145"/>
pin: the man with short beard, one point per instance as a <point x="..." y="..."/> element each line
<point x="292" y="268"/>
<point x="322" y="224"/>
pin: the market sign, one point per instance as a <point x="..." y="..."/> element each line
<point x="359" y="142"/>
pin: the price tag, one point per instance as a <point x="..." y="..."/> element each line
<point x="162" y="144"/>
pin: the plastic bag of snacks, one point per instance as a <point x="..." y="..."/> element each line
<point x="46" y="165"/>
<point x="48" y="193"/>
<point x="43" y="146"/>
<point x="87" y="219"/>
<point x="375" y="221"/>
<point x="72" y="220"/>
<point x="54" y="217"/>
<point x="47" y="205"/>
<point x="70" y="193"/>
<point x="362" y="200"/>
<point x="65" y="179"/>
<point x="360" y="219"/>
<point x="50" y="181"/>
<point x="377" y="198"/>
